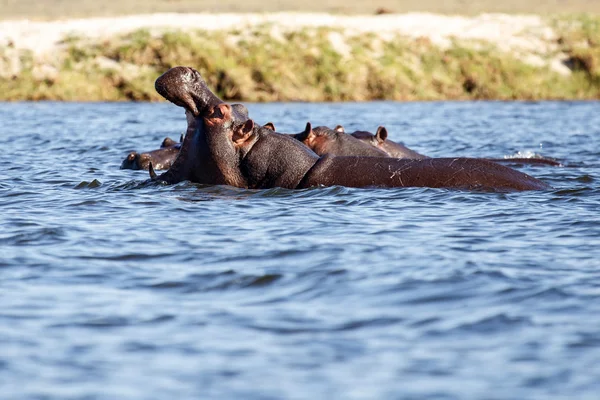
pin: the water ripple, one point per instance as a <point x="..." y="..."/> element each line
<point x="114" y="286"/>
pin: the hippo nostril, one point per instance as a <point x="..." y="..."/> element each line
<point x="131" y="156"/>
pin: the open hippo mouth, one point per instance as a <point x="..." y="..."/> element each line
<point x="183" y="86"/>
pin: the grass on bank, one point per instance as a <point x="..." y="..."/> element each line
<point x="304" y="65"/>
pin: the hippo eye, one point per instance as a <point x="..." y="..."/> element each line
<point x="131" y="157"/>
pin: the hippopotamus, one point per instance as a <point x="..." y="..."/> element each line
<point x="323" y="140"/>
<point x="379" y="141"/>
<point x="161" y="158"/>
<point x="222" y="146"/>
<point x="186" y="88"/>
<point x="398" y="150"/>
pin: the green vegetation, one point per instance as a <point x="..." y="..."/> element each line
<point x="580" y="39"/>
<point x="304" y="65"/>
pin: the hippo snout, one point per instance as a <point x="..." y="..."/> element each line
<point x="130" y="161"/>
<point x="135" y="160"/>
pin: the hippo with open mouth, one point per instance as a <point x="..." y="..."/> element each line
<point x="223" y="146"/>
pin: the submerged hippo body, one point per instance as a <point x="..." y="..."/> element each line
<point x="398" y="150"/>
<point x="161" y="158"/>
<point x="223" y="146"/>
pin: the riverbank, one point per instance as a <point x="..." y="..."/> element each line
<point x="61" y="9"/>
<point x="305" y="57"/>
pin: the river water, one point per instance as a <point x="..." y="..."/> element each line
<point x="115" y="289"/>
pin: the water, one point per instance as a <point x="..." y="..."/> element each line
<point x="115" y="289"/>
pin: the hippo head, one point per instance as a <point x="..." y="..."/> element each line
<point x="161" y="158"/>
<point x="221" y="124"/>
<point x="136" y="161"/>
<point x="323" y="140"/>
<point x="250" y="155"/>
<point x="185" y="87"/>
<point x="375" y="140"/>
<point x="380" y="141"/>
<point x="229" y="141"/>
<point x="320" y="140"/>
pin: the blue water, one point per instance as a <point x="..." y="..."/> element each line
<point x="115" y="289"/>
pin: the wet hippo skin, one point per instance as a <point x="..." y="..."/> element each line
<point x="323" y="140"/>
<point x="267" y="159"/>
<point x="161" y="158"/>
<point x="223" y="146"/>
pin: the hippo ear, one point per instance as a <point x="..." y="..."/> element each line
<point x="269" y="125"/>
<point x="168" y="142"/>
<point x="243" y="133"/>
<point x="381" y="134"/>
<point x="151" y="171"/>
<point x="340" y="129"/>
<point x="181" y="138"/>
<point x="306" y="134"/>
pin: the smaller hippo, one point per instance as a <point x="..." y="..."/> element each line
<point x="323" y="140"/>
<point x="161" y="158"/>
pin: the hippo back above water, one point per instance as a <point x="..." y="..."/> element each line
<point x="393" y="149"/>
<point x="268" y="159"/>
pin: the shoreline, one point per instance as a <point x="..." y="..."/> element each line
<point x="416" y="56"/>
<point x="527" y="32"/>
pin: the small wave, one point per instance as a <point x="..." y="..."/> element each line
<point x="89" y="185"/>
<point x="126" y="257"/>
<point x="574" y="192"/>
<point x="42" y="236"/>
<point x="133" y="185"/>
<point x="532" y="158"/>
<point x="102" y="322"/>
<point x="217" y="281"/>
<point x="300" y="326"/>
<point x="493" y="324"/>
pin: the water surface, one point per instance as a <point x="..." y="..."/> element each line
<point x="115" y="289"/>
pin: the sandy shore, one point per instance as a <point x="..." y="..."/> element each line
<point x="404" y="56"/>
<point x="508" y="32"/>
